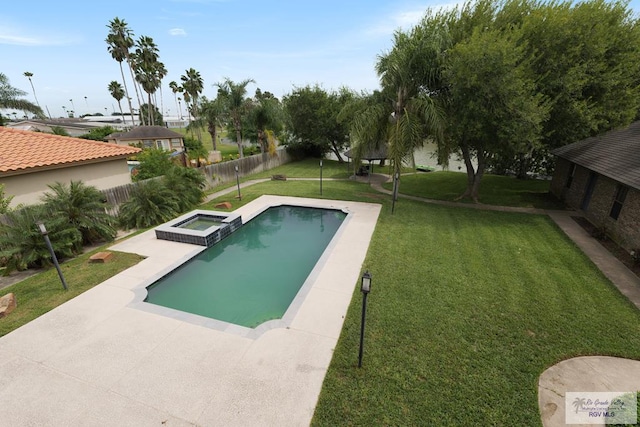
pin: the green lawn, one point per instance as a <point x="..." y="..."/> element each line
<point x="43" y="292"/>
<point x="494" y="189"/>
<point x="467" y="309"/>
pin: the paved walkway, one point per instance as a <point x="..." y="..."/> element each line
<point x="579" y="374"/>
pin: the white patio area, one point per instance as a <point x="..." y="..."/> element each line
<point x="103" y="359"/>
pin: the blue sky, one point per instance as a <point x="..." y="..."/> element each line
<point x="280" y="44"/>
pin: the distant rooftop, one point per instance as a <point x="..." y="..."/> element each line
<point x="145" y="132"/>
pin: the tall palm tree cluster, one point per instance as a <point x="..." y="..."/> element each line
<point x="259" y="115"/>
<point x="146" y="70"/>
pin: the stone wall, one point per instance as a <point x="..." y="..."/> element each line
<point x="626" y="229"/>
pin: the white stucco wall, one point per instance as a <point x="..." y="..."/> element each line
<point x="28" y="188"/>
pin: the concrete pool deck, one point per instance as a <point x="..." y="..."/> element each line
<point x="98" y="360"/>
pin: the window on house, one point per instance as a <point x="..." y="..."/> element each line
<point x="148" y="143"/>
<point x="621" y="194"/>
<point x="572" y="172"/>
<point x="162" y="144"/>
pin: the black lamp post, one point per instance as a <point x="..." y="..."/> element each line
<point x="45" y="234"/>
<point x="321" y="177"/>
<point x="365" y="287"/>
<point x="238" y="182"/>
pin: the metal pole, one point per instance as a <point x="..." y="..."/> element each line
<point x="396" y="177"/>
<point x="364" y="310"/>
<point x="321" y="177"/>
<point x="238" y="183"/>
<point x="55" y="261"/>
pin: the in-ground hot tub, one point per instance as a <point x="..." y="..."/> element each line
<point x="200" y="227"/>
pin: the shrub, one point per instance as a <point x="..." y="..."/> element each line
<point x="153" y="162"/>
<point x="188" y="186"/>
<point x="83" y="207"/>
<point x="22" y="245"/>
<point x="150" y="203"/>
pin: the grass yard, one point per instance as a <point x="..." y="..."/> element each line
<point x="494" y="189"/>
<point x="43" y="292"/>
<point x="467" y="309"/>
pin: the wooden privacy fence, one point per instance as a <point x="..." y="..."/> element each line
<point x="216" y="174"/>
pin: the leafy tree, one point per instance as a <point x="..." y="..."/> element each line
<point x="153" y="162"/>
<point x="149" y="204"/>
<point x="22" y="245"/>
<point x="59" y="130"/>
<point x="551" y="72"/>
<point x="98" y="134"/>
<point x="195" y="149"/>
<point x="146" y="112"/>
<point x="313" y="124"/>
<point x="5" y="200"/>
<point x="188" y="186"/>
<point x="10" y="98"/>
<point x="265" y="115"/>
<point x="497" y="108"/>
<point x="83" y="207"/>
<point x="233" y="96"/>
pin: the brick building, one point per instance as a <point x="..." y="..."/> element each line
<point x="600" y="176"/>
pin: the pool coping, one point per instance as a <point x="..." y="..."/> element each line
<point x="95" y="360"/>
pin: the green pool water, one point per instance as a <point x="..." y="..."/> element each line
<point x="253" y="275"/>
<point x="201" y="223"/>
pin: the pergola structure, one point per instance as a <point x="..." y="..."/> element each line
<point x="370" y="155"/>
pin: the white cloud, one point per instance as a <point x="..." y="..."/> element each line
<point x="406" y="19"/>
<point x="177" y="32"/>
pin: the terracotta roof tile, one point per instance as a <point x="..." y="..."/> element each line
<point x="23" y="150"/>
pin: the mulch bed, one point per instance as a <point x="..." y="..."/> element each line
<point x="615" y="250"/>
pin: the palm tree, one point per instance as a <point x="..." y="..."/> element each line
<point x="82" y="207"/>
<point x="212" y="112"/>
<point x="149" y="71"/>
<point x="406" y="117"/>
<point x="175" y="88"/>
<point x="264" y="115"/>
<point x="119" y="41"/>
<point x="28" y="75"/>
<point x="10" y="98"/>
<point x="115" y="89"/>
<point x="233" y="95"/>
<point x="192" y="85"/>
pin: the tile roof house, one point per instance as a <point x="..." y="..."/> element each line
<point x="149" y="137"/>
<point x="29" y="161"/>
<point x="600" y="176"/>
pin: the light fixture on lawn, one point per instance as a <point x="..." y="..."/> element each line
<point x="45" y="234"/>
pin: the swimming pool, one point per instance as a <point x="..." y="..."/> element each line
<point x="254" y="274"/>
